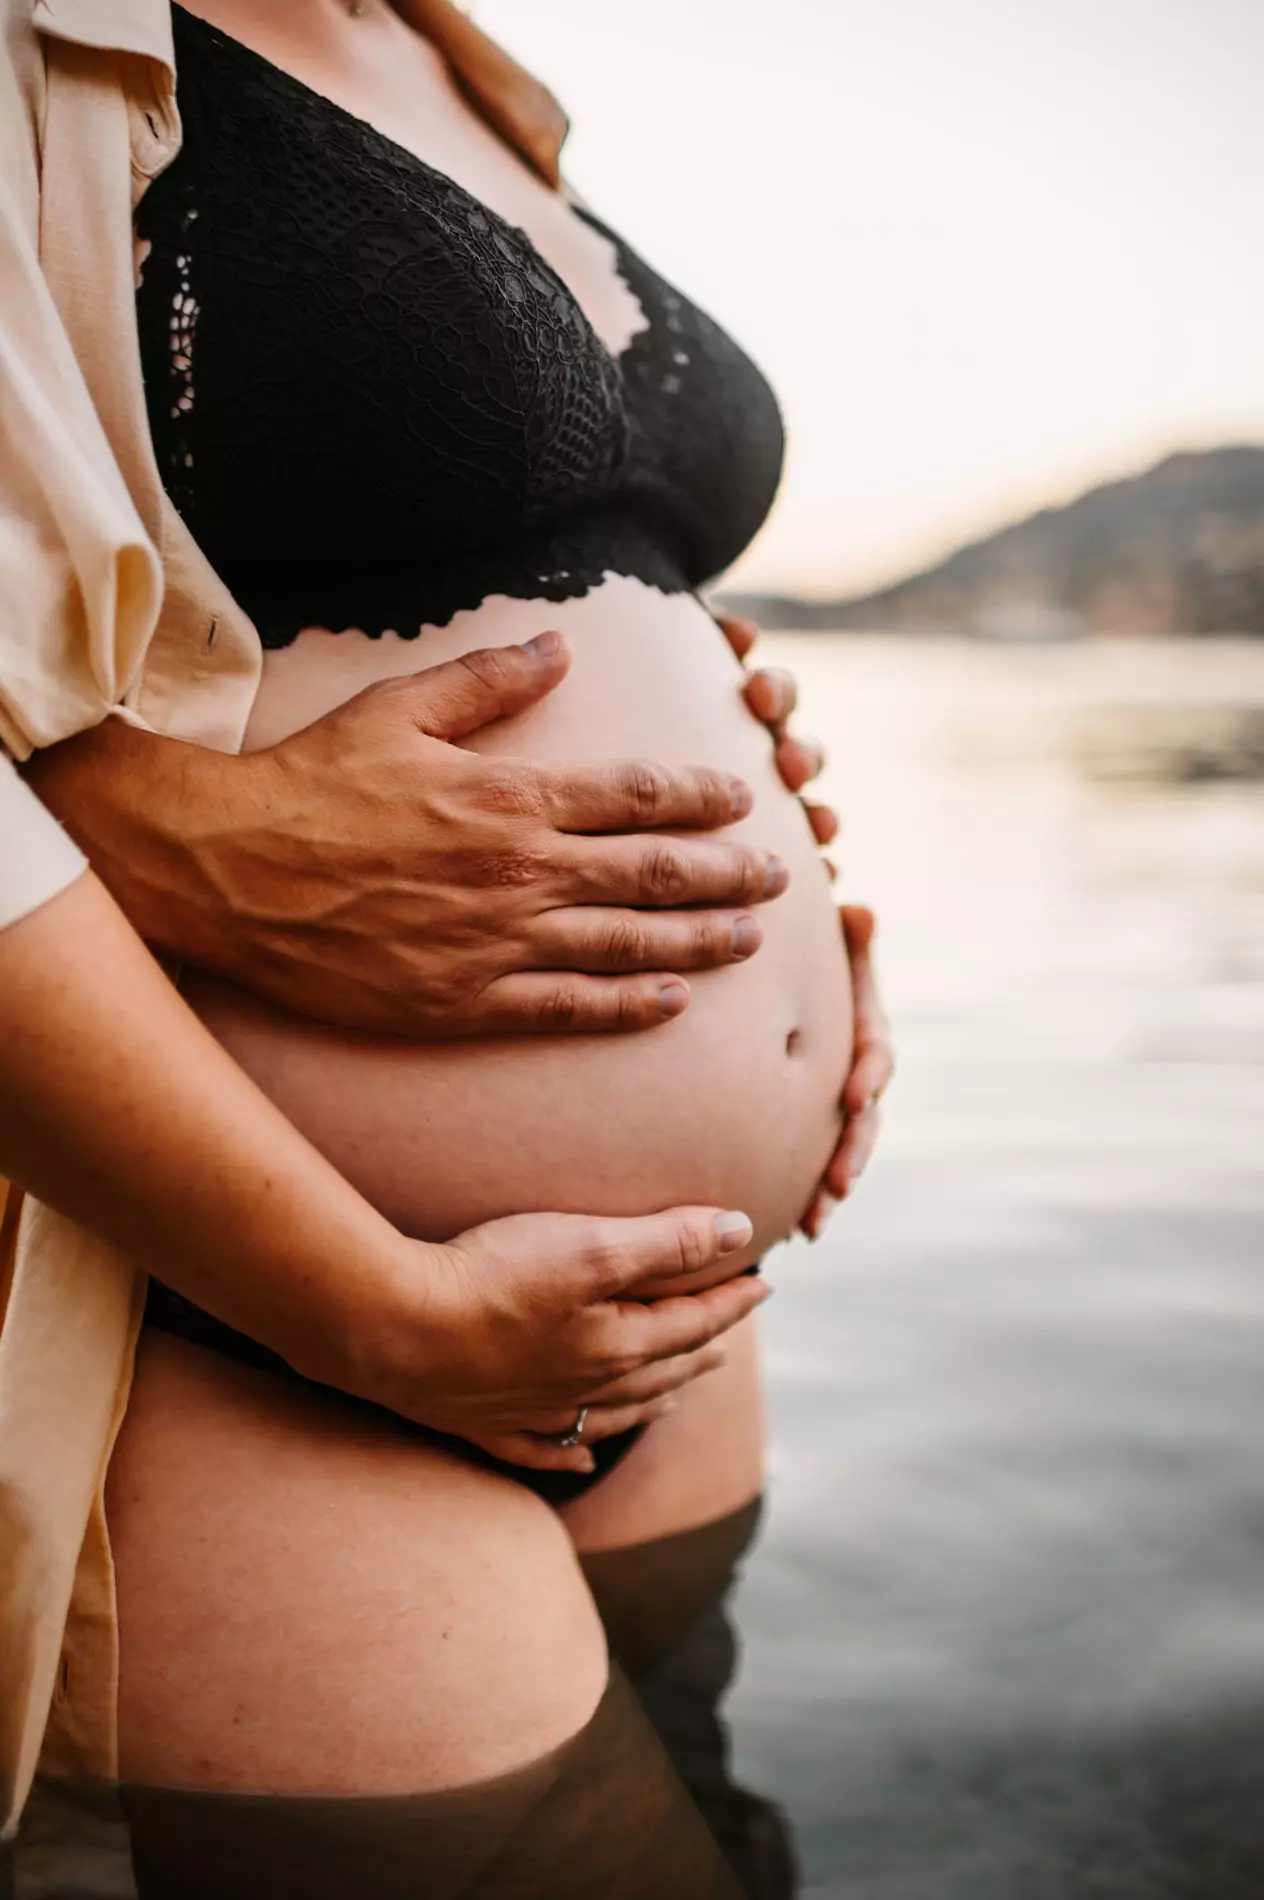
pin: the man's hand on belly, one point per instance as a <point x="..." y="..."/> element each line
<point x="370" y="873"/>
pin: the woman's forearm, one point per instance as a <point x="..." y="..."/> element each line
<point x="118" y="1109"/>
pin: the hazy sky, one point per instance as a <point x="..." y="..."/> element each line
<point x="989" y="250"/>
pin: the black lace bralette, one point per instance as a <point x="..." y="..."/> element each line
<point x="375" y="404"/>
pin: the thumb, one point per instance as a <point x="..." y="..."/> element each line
<point x="571" y="1260"/>
<point x="455" y="699"/>
<point x="616" y="1256"/>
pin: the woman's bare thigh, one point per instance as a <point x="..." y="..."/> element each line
<point x="700" y="1463"/>
<point x="311" y="1600"/>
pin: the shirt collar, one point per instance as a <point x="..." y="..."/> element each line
<point x="125" y="26"/>
<point x="141" y="28"/>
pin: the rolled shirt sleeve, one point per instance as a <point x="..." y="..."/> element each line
<point x="37" y="858"/>
<point x="80" y="580"/>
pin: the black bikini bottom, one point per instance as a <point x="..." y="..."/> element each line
<point x="172" y="1313"/>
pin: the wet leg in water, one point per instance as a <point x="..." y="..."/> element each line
<point x="351" y="1665"/>
<point x="695" y="1479"/>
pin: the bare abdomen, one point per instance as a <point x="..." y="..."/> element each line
<point x="734" y="1103"/>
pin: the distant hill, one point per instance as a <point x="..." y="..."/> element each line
<point x="1179" y="549"/>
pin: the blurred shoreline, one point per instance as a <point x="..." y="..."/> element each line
<point x="1176" y="550"/>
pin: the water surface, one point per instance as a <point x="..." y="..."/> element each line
<point x="1005" y="1636"/>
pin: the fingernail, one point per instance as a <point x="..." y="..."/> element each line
<point x="545" y="645"/>
<point x="776" y="876"/>
<point x="747" y="937"/>
<point x="825" y="1205"/>
<point x="741" y="798"/>
<point x="673" y="998"/>
<point x="733" y="1230"/>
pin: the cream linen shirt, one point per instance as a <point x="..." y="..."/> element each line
<point x="107" y="608"/>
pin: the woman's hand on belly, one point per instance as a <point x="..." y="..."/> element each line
<point x="512" y="1327"/>
<point x="772" y="694"/>
<point x="872" y="1067"/>
<point x="368" y="873"/>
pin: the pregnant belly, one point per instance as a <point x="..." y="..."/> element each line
<point x="734" y="1103"/>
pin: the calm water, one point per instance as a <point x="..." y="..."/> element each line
<point x="1005" y="1635"/>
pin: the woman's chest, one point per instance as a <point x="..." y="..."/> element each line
<point x="353" y="365"/>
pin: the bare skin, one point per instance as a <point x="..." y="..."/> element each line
<point x="742" y="1089"/>
<point x="447" y="1638"/>
<point x="118" y="1109"/>
<point x="771" y="694"/>
<point x="311" y="1602"/>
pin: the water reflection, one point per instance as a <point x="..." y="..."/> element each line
<point x="1006" y="1633"/>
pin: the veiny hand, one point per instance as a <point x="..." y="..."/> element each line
<point x="872" y="1066"/>
<point x="370" y="873"/>
<point x="771" y="694"/>
<point x="507" y="1330"/>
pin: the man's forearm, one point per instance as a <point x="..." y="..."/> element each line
<point x="152" y="815"/>
<point x="118" y="1109"/>
<point x="372" y="872"/>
